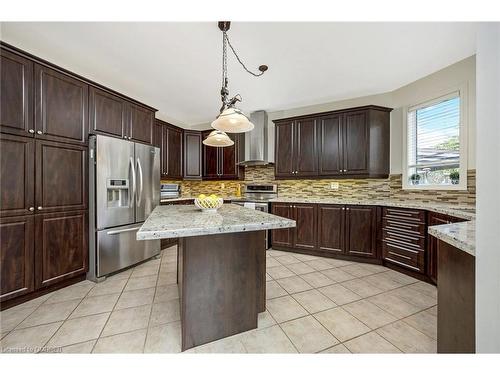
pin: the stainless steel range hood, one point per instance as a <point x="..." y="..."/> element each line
<point x="259" y="143"/>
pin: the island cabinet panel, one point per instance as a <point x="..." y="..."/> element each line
<point x="283" y="237"/>
<point x="140" y="123"/>
<point x="356" y="143"/>
<point x="16" y="256"/>
<point x="331" y="226"/>
<point x="285" y="150"/>
<point x="349" y="143"/>
<point x="107" y="113"/>
<point x="61" y="106"/>
<point x="330" y="145"/>
<point x="361" y="231"/>
<point x="306" y="155"/>
<point x="456" y="315"/>
<point x="306" y="218"/>
<point x="61" y="247"/>
<point x="61" y="177"/>
<point x="17" y="175"/>
<point x="16" y="98"/>
<point x="192" y="155"/>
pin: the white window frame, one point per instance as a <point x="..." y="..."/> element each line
<point x="463" y="139"/>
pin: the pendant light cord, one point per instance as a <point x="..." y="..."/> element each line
<point x="224" y="53"/>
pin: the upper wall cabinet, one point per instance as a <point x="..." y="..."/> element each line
<point x="169" y="139"/>
<point x="60" y="106"/>
<point x="222" y="163"/>
<point x="352" y="143"/>
<point x="16" y="94"/>
<point x="141" y="121"/>
<point x="107" y="113"/>
<point x="192" y="155"/>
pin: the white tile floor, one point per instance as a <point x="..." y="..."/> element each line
<point x="313" y="305"/>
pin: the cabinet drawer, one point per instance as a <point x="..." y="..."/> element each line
<point x="404" y="239"/>
<point x="402" y="214"/>
<point x="412" y="259"/>
<point x="397" y="225"/>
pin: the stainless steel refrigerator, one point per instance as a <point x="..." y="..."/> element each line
<point x="124" y="187"/>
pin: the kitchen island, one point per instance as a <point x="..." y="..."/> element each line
<point x="221" y="266"/>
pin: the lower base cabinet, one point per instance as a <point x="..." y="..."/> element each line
<point x="328" y="229"/>
<point x="43" y="250"/>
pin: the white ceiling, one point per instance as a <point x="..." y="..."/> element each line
<point x="176" y="67"/>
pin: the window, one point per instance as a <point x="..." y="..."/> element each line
<point x="435" y="145"/>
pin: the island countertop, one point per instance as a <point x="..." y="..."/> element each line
<point x="187" y="221"/>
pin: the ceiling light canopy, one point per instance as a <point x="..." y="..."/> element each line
<point x="231" y="119"/>
<point x="218" y="138"/>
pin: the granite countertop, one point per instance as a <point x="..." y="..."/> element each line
<point x="187" y="221"/>
<point x="461" y="235"/>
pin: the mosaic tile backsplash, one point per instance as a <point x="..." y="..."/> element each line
<point x="363" y="189"/>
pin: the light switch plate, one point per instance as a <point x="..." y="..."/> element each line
<point x="334" y="185"/>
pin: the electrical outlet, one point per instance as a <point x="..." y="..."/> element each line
<point x="334" y="185"/>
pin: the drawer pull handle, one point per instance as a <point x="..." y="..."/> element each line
<point x="402" y="236"/>
<point x="395" y="243"/>
<point x="399" y="255"/>
<point x="402" y="224"/>
<point x="403" y="264"/>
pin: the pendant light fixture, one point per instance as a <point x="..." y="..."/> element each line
<point x="231" y="119"/>
<point x="218" y="138"/>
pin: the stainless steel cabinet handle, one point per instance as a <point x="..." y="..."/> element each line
<point x="111" y="232"/>
<point x="39" y="208"/>
<point x="39" y="132"/>
<point x="141" y="183"/>
<point x="31" y="209"/>
<point x="31" y="131"/>
<point x="132" y="195"/>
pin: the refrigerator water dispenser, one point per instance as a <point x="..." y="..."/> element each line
<point x="117" y="193"/>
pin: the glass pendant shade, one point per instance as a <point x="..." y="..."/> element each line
<point x="218" y="138"/>
<point x="232" y="120"/>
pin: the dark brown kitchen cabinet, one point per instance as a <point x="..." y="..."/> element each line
<point x="192" y="155"/>
<point x="432" y="242"/>
<point x="17" y="175"/>
<point x="61" y="250"/>
<point x="140" y="123"/>
<point x="63" y="187"/>
<point x="16" y="256"/>
<point x="170" y="141"/>
<point x="331" y="224"/>
<point x="361" y="231"/>
<point x="284" y="149"/>
<point x="16" y="94"/>
<point x="283" y="237"/>
<point x="61" y="106"/>
<point x="331" y="154"/>
<point x="349" y="143"/>
<point x="222" y="162"/>
<point x="306" y="218"/>
<point x="108" y="113"/>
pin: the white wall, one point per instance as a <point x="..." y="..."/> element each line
<point x="488" y="190"/>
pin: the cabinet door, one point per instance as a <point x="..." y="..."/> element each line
<point x="16" y="98"/>
<point x="61" y="247"/>
<point x="330" y="145"/>
<point x="356" y="143"/>
<point x="306" y="152"/>
<point x="211" y="156"/>
<point x="174" y="154"/>
<point x="306" y="231"/>
<point x="192" y="155"/>
<point x="60" y="106"/>
<point x="61" y="177"/>
<point x="16" y="256"/>
<point x="17" y="175"/>
<point x="331" y="226"/>
<point x="107" y="113"/>
<point x="284" y="150"/>
<point x="157" y="135"/>
<point x="361" y="231"/>
<point x="229" y="168"/>
<point x="164" y="151"/>
<point x="282" y="237"/>
<point x="141" y="122"/>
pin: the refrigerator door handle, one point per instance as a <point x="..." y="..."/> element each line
<point x="141" y="182"/>
<point x="131" y="197"/>
<point x="122" y="230"/>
